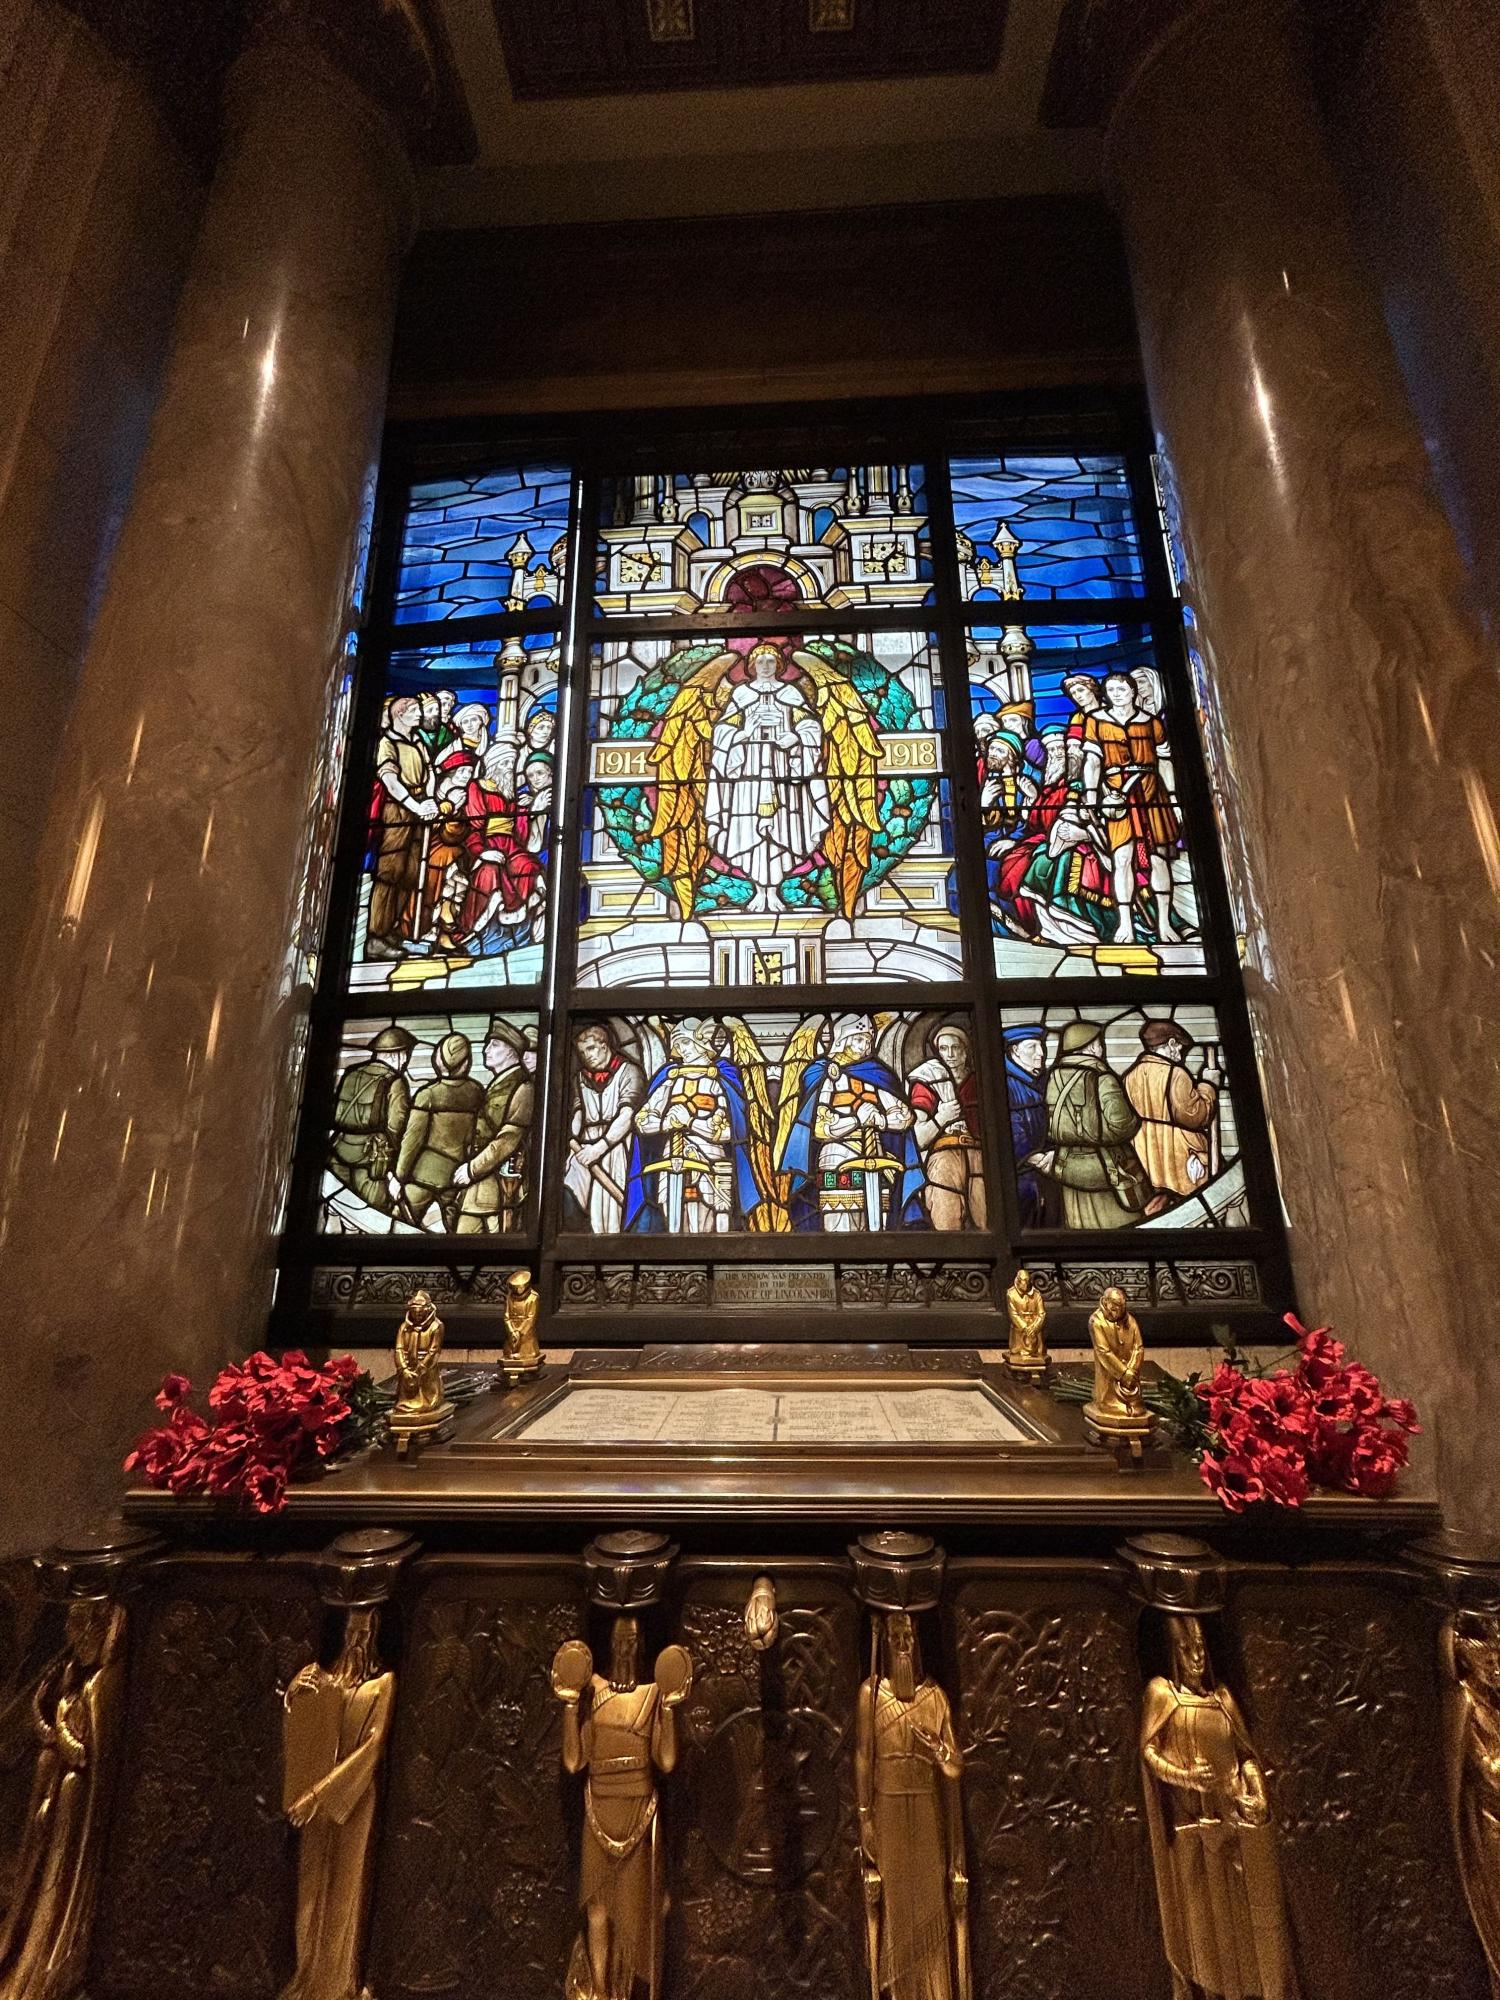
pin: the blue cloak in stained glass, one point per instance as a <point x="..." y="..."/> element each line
<point x="904" y="1208"/>
<point x="1028" y="1123"/>
<point x="643" y="1206"/>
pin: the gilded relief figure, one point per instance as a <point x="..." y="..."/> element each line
<point x="1027" y="1311"/>
<point x="908" y="1768"/>
<point x="621" y="1731"/>
<point x="1217" y="1881"/>
<point x="333" y="1738"/>
<point x="1116" y="1410"/>
<point x="75" y="1715"/>
<point x="1471" y="1658"/>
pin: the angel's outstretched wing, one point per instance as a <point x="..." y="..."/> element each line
<point x="852" y="764"/>
<point x="801" y="1047"/>
<point x="679" y="759"/>
<point x="750" y="1059"/>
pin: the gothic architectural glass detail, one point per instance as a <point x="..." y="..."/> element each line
<point x="764" y="543"/>
<point x="1122" y="1118"/>
<point x="766" y="812"/>
<point x="1044" y="526"/>
<point x="843" y="1124"/>
<point x="1085" y="843"/>
<point x="492" y="543"/>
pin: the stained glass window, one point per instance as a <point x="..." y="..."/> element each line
<point x="1044" y="527"/>
<point x="767" y="812"/>
<point x="839" y="866"/>
<point x="431" y="1126"/>
<point x="492" y="543"/>
<point x="1085" y="846"/>
<point x="799" y="1124"/>
<point x="1121" y="1118"/>
<point x="764" y="543"/>
<point x="461" y="811"/>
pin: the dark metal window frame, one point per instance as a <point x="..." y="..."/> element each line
<point x="925" y="431"/>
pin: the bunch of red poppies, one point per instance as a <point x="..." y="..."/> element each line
<point x="268" y="1421"/>
<point x="1326" y="1422"/>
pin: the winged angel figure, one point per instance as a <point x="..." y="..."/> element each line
<point x="762" y="774"/>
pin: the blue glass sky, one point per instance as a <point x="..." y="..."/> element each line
<point x="455" y="546"/>
<point x="1071" y="515"/>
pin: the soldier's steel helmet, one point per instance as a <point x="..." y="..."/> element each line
<point x="393" y="1042"/>
<point x="453" y="1053"/>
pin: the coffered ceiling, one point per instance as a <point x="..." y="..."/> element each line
<point x="621" y="110"/>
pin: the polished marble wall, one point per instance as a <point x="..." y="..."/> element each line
<point x="98" y="207"/>
<point x="1418" y="125"/>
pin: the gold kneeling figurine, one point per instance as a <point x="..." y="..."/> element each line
<point x="1027" y="1353"/>
<point x="522" y="1358"/>
<point x="1116" y="1414"/>
<point x="420" y="1409"/>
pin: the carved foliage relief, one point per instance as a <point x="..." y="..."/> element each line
<point x="200" y="1888"/>
<point x="766" y="1891"/>
<point x="1340" y="1680"/>
<point x="1048" y="1713"/>
<point x="475" y="1885"/>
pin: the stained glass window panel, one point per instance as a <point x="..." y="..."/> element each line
<point x="1121" y="1118"/>
<point x="1044" y="526"/>
<point x="461" y="812"/>
<point x="432" y="1126"/>
<point x="495" y="542"/>
<point x="767" y="812"/>
<point x="1086" y="855"/>
<point x="792" y="1124"/>
<point x="760" y="544"/>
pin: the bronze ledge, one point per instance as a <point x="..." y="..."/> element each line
<point x="1062" y="1483"/>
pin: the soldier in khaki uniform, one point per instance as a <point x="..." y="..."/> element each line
<point x="370" y="1118"/>
<point x="493" y="1179"/>
<point x="439" y="1134"/>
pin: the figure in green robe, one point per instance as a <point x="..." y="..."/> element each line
<point x="1090" y="1126"/>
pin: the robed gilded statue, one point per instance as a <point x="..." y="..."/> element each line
<point x="75" y="1716"/>
<point x="1223" y="1919"/>
<point x="621" y="1731"/>
<point x="1115" y="1413"/>
<point x="334" y="1734"/>
<point x="1026" y="1310"/>
<point x="1471" y="1657"/>
<point x="907" y="1772"/>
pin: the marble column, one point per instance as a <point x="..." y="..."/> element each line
<point x="1354" y="721"/>
<point x="1417" y="132"/>
<point x="152" y="1064"/>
